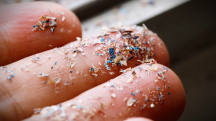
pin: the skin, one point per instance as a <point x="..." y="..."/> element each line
<point x="16" y="36"/>
<point x="27" y="91"/>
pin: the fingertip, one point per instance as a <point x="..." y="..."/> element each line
<point x="162" y="83"/>
<point x="161" y="51"/>
<point x="173" y="100"/>
<point x="17" y="24"/>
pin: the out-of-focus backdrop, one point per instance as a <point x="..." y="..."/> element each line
<point x="187" y="27"/>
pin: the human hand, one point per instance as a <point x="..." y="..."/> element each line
<point x="75" y="78"/>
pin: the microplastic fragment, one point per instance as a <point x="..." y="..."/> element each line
<point x="125" y="99"/>
<point x="154" y="67"/>
<point x="144" y="26"/>
<point x="123" y="62"/>
<point x="107" y="66"/>
<point x="45" y="22"/>
<point x="72" y="64"/>
<point x="74" y="55"/>
<point x="78" y="39"/>
<point x="111" y="51"/>
<point x="35" y="59"/>
<point x="62" y="30"/>
<point x="165" y="68"/>
<point x="43" y="75"/>
<point x="52" y="29"/>
<point x="130" y="58"/>
<point x="66" y="83"/>
<point x="63" y="18"/>
<point x="130" y="79"/>
<point x="168" y="93"/>
<point x="80" y="49"/>
<point x="131" y="101"/>
<point x="111" y="73"/>
<point x="113" y="95"/>
<point x="133" y="73"/>
<point x="61" y="13"/>
<point x="37" y="110"/>
<point x="12" y="74"/>
<point x="140" y="68"/>
<point x="120" y="88"/>
<point x="152" y="105"/>
<point x="144" y="105"/>
<point x="55" y="81"/>
<point x="79" y="106"/>
<point x="91" y="69"/>
<point x="116" y="60"/>
<point x="94" y="74"/>
<point x="102" y="106"/>
<point x="133" y="94"/>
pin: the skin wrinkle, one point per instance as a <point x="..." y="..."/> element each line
<point x="15" y="105"/>
<point x="87" y="65"/>
<point x="7" y="44"/>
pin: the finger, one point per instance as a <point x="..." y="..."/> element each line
<point x="119" y="99"/>
<point x="62" y="73"/>
<point x="138" y="119"/>
<point x="17" y="40"/>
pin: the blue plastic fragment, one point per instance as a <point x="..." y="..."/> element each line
<point x="102" y="39"/>
<point x="133" y="94"/>
<point x="112" y="85"/>
<point x="136" y="48"/>
<point x="107" y="66"/>
<point x="91" y="69"/>
<point x="111" y="51"/>
<point x="113" y="57"/>
<point x="169" y="93"/>
<point x="79" y="106"/>
<point x="47" y="21"/>
<point x="165" y="68"/>
<point x="109" y="61"/>
<point x="53" y="29"/>
<point x="130" y="58"/>
<point x="160" y="96"/>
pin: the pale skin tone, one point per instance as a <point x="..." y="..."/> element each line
<point x="18" y="45"/>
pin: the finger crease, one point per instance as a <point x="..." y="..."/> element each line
<point x="16" y="108"/>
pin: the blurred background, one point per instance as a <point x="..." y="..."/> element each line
<point x="188" y="28"/>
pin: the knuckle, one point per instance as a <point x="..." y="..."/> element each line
<point x="9" y="104"/>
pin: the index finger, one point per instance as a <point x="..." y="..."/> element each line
<point x="16" y="37"/>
